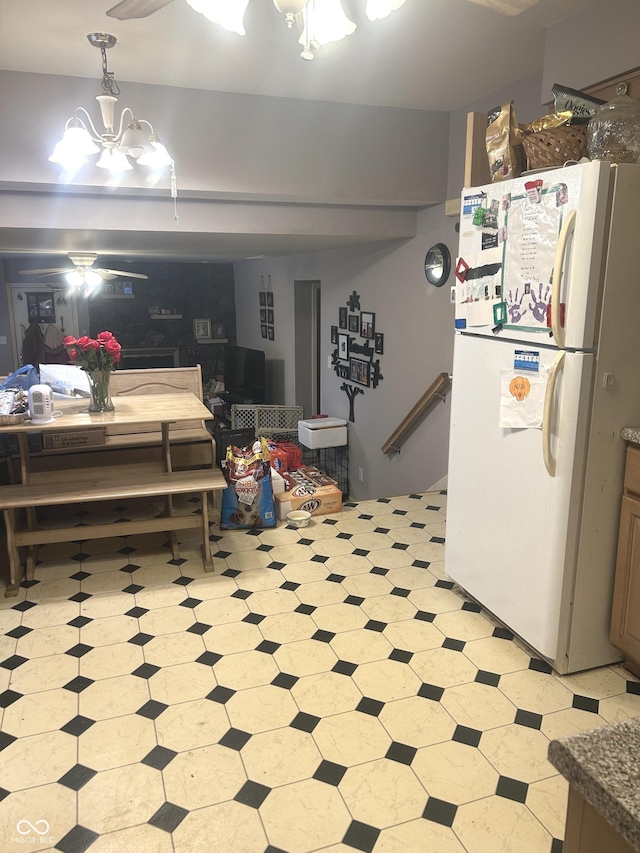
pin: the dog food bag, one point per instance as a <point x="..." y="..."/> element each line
<point x="504" y="144"/>
<point x="248" y="499"/>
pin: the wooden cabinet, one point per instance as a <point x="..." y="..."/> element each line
<point x="625" y="617"/>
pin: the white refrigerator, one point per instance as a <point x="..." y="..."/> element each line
<point x="546" y="372"/>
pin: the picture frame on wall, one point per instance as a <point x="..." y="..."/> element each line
<point x="354" y="323"/>
<point x="271" y="333"/>
<point x="269" y="299"/>
<point x="202" y="328"/>
<point x="343" y="347"/>
<point x="367" y="325"/>
<point x="360" y="371"/>
<point x="263" y="298"/>
<point x="263" y="330"/>
<point x="342" y="317"/>
<point x="334" y="334"/>
<point x="263" y="315"/>
<point x="217" y="331"/>
<point x="379" y="343"/>
<point x="270" y="316"/>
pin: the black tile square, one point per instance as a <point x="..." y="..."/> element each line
<point x="424" y="616"/>
<point x="220" y="694"/>
<point x="471" y="606"/>
<point x="6" y="740"/>
<point x="190" y="602"/>
<point x="278" y="567"/>
<point x="198" y="628"/>
<point x="431" y="691"/>
<point x="152" y="709"/>
<point x="254" y="618"/>
<point x="361" y="836"/>
<point x="503" y="633"/>
<point x="159" y="757"/>
<point x="80" y="576"/>
<point x="454" y="645"/>
<point x="252" y="794"/>
<point x="323" y="636"/>
<point x="284" y="680"/>
<point x="330" y="773"/>
<point x="129" y="568"/>
<point x="146" y="670"/>
<point x="24" y="606"/>
<point x="140" y="639"/>
<point x="305" y="541"/>
<point x="445" y="584"/>
<point x="401" y="752"/>
<point x="234" y="739"/>
<point x="263" y="547"/>
<point x="373" y="707"/>
<point x="356" y="600"/>
<point x="78" y="684"/>
<point x="133" y="588"/>
<point x="80" y="556"/>
<point x="400" y="546"/>
<point x="304" y="722"/>
<point x="381" y="529"/>
<point x="25" y="584"/>
<point x="512" y="789"/>
<point x="79" y="597"/>
<point x="528" y="719"/>
<point x="375" y="625"/>
<point x="421" y="564"/>
<point x="127" y="548"/>
<point x="208" y="658"/>
<point x="399" y="591"/>
<point x="633" y="687"/>
<point x="242" y="594"/>
<point x="344" y="536"/>
<point x="13" y="662"/>
<point x="77" y="726"/>
<point x="319" y="558"/>
<point x="463" y="734"/>
<point x="77" y="840"/>
<point x="290" y="585"/>
<point x="401" y="655"/>
<point x="344" y="667"/>
<point x="439" y="811"/>
<point x="77" y="777"/>
<point x="378" y="570"/>
<point x="168" y="817"/>
<point x="490" y="678"/>
<point x="540" y="666"/>
<point x="438" y="540"/>
<point x="556" y="845"/>
<point x="307" y="609"/>
<point x="183" y="580"/>
<point x="79" y="650"/>
<point x="268" y="647"/>
<point x="8" y="697"/>
<point x="20" y="631"/>
<point x="361" y="552"/>
<point x="79" y="621"/>
<point x="336" y="578"/>
<point x="585" y="703"/>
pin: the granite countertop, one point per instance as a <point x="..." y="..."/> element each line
<point x="631" y="434"/>
<point x="604" y="766"/>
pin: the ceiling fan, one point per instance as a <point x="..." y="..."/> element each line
<point x="83" y="271"/>
<point x="128" y="9"/>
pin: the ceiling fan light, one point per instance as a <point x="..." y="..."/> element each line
<point x="228" y="13"/>
<point x="75" y="278"/>
<point x="377" y="9"/>
<point x="92" y="278"/>
<point x="114" y="161"/>
<point x="326" y="21"/>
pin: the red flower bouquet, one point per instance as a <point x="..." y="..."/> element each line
<point x="98" y="357"/>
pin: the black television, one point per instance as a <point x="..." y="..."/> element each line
<point x="244" y="374"/>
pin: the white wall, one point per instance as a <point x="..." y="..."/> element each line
<point x="417" y="322"/>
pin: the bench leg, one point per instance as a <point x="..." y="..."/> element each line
<point x="175" y="547"/>
<point x="206" y="547"/>
<point x="32" y="555"/>
<point x="15" y="567"/>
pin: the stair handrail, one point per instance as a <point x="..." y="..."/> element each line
<point x="396" y="439"/>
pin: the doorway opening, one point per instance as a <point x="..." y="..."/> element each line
<point x="307" y="345"/>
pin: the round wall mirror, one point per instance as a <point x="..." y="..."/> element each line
<point x="437" y="264"/>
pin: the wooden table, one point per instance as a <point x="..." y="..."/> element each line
<point x="107" y="481"/>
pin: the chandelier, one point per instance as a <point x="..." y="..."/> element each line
<point x="134" y="140"/>
<point x="319" y="21"/>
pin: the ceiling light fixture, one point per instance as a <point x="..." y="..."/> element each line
<point x="135" y="141"/>
<point x="319" y="21"/>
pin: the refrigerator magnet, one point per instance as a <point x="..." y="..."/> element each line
<point x="462" y="268"/>
<point x="500" y="313"/>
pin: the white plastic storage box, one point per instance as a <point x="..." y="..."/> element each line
<point x="322" y="432"/>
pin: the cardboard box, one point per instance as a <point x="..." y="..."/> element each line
<point x="67" y="440"/>
<point x="318" y="500"/>
<point x="322" y="432"/>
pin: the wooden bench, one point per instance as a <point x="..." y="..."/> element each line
<point x="101" y="485"/>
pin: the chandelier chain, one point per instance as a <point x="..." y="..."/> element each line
<point x="109" y="85"/>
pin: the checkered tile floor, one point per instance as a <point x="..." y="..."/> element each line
<point x="326" y="689"/>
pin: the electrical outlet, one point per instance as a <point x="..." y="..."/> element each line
<point x="3" y="339"/>
<point x="361" y="475"/>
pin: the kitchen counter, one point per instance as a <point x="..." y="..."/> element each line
<point x="603" y="768"/>
<point x="631" y="434"/>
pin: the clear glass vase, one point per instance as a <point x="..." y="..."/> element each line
<point x="613" y="133"/>
<point x="100" y="394"/>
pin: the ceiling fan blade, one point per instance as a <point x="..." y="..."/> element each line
<point x="49" y="271"/>
<point x="129" y="9"/>
<point x="122" y="273"/>
<point x="506" y="7"/>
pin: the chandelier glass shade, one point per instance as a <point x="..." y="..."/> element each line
<point x="132" y="138"/>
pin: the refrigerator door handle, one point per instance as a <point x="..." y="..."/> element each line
<point x="568" y="227"/>
<point x="549" y="461"/>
